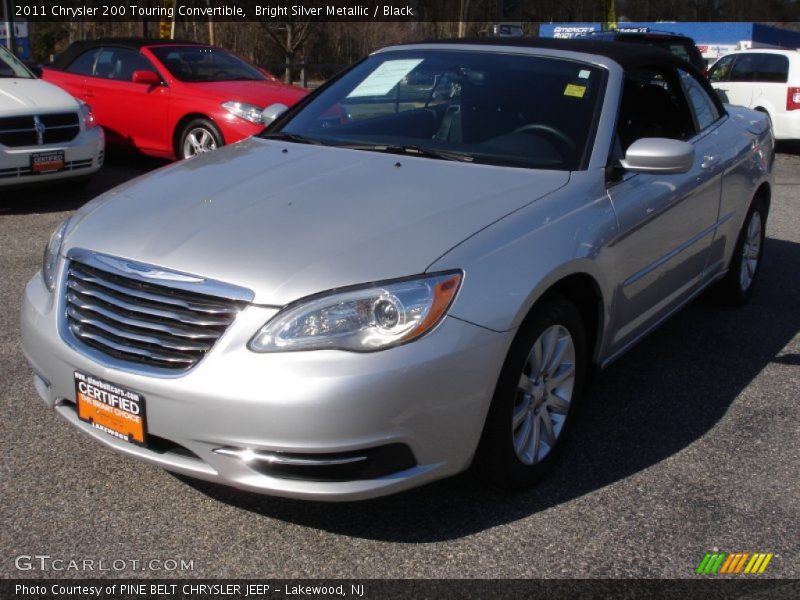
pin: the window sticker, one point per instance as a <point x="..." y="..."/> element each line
<point x="576" y="91"/>
<point x="384" y="78"/>
<point x="584" y="74"/>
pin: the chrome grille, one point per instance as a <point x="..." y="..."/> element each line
<point x="142" y="322"/>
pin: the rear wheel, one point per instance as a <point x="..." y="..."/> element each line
<point x="737" y="286"/>
<point x="536" y="397"/>
<point x="198" y="137"/>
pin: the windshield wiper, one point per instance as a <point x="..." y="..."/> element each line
<point x="412" y="150"/>
<point x="291" y="137"/>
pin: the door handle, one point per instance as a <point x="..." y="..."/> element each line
<point x="709" y="161"/>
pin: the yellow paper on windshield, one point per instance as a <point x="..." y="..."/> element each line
<point x="576" y="91"/>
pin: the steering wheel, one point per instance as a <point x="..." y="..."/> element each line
<point x="220" y="73"/>
<point x="551" y="133"/>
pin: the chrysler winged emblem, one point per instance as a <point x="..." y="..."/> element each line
<point x="40" y="129"/>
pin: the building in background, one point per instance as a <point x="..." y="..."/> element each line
<point x="20" y="35"/>
<point x="713" y="39"/>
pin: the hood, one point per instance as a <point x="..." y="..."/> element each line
<point x="288" y="220"/>
<point x="26" y="96"/>
<point x="259" y="93"/>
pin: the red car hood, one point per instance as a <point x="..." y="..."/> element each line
<point x="260" y="93"/>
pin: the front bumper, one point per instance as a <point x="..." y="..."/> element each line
<point x="83" y="156"/>
<point x="235" y="129"/>
<point x="786" y="125"/>
<point x="431" y="395"/>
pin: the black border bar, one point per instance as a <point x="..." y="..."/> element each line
<point x="373" y="589"/>
<point x="491" y="11"/>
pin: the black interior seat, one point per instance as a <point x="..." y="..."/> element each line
<point x="647" y="111"/>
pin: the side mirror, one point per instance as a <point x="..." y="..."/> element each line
<point x="273" y="111"/>
<point x="659" y="155"/>
<point x="146" y="77"/>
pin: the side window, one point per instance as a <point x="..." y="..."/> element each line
<point x="705" y="111"/>
<point x="721" y="69"/>
<point x="125" y="62"/>
<point x="118" y="63"/>
<point x="744" y="69"/>
<point x="653" y="105"/>
<point x="104" y="64"/>
<point x="772" y="68"/>
<point x="84" y="64"/>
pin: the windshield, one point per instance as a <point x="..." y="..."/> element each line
<point x="11" y="67"/>
<point x="203" y="64"/>
<point x="483" y="107"/>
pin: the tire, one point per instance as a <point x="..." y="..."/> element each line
<point x="737" y="286"/>
<point x="506" y="458"/>
<point x="198" y="137"/>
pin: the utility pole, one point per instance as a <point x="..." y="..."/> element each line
<point x="463" y="12"/>
<point x="174" y="17"/>
<point x="8" y="21"/>
<point x="210" y="25"/>
<point x="609" y="15"/>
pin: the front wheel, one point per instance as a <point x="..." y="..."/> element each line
<point x="536" y="397"/>
<point x="198" y="137"/>
<point x="737" y="286"/>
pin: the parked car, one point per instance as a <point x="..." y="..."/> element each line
<point x="679" y="45"/>
<point x="379" y="291"/>
<point x="765" y="80"/>
<point x="169" y="99"/>
<point x="45" y="134"/>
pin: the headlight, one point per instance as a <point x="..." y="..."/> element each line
<point x="362" y="319"/>
<point x="248" y="112"/>
<point x="87" y="115"/>
<point x="51" y="252"/>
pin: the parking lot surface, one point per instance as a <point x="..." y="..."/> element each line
<point x="688" y="444"/>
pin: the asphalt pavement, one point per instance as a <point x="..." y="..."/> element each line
<point x="688" y="444"/>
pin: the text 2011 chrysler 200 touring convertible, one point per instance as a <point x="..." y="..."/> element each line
<point x="412" y="271"/>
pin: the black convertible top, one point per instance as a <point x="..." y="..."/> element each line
<point x="625" y="54"/>
<point x="74" y="50"/>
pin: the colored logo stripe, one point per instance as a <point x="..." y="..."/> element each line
<point x="710" y="563"/>
<point x="758" y="563"/>
<point x="722" y="562"/>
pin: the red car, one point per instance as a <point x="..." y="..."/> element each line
<point x="168" y="99"/>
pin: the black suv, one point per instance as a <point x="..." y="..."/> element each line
<point x="680" y="45"/>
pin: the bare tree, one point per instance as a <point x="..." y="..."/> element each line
<point x="290" y="38"/>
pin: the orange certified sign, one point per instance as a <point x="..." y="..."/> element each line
<point x="112" y="409"/>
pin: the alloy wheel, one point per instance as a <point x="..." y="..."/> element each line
<point x="544" y="395"/>
<point x="198" y="141"/>
<point x="751" y="251"/>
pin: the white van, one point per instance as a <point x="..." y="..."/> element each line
<point x="766" y="80"/>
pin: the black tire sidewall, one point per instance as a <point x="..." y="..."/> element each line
<point x="496" y="461"/>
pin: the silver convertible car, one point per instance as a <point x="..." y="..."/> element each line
<point x="413" y="271"/>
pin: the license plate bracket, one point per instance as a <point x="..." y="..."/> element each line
<point x="47" y="162"/>
<point x="111" y="408"/>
